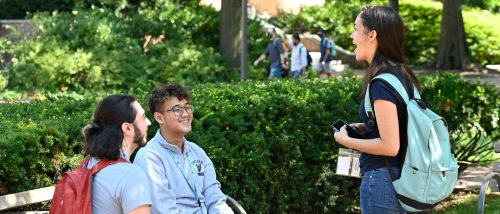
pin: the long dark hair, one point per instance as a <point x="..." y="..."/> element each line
<point x="390" y="36"/>
<point x="102" y="138"/>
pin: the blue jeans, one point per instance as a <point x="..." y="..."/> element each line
<point x="296" y="74"/>
<point x="275" y="72"/>
<point x="377" y="194"/>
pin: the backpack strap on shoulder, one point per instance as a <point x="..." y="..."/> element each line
<point x="84" y="162"/>
<point x="103" y="163"/>
<point x="397" y="85"/>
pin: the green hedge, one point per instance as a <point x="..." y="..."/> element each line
<point x="270" y="141"/>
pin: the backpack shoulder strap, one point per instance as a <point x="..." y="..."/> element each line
<point x="105" y="162"/>
<point x="396" y="84"/>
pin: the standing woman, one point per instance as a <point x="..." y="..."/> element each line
<point x="378" y="36"/>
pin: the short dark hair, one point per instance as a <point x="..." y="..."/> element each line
<point x="322" y="32"/>
<point x="161" y="93"/>
<point x="296" y="36"/>
<point x="102" y="138"/>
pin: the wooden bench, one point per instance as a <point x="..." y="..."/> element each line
<point x="491" y="180"/>
<point x="45" y="194"/>
<point x="26" y="198"/>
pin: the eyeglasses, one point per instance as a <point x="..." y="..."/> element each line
<point x="179" y="111"/>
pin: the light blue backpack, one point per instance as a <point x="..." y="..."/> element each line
<point x="429" y="172"/>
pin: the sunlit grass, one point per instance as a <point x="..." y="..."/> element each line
<point x="467" y="203"/>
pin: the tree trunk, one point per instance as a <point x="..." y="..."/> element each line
<point x="453" y="51"/>
<point x="394" y="4"/>
<point x="231" y="32"/>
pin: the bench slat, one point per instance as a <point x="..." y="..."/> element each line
<point x="26" y="197"/>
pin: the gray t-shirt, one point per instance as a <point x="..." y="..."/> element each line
<point x="119" y="188"/>
<point x="274" y="50"/>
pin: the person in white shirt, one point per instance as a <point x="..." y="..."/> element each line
<point x="299" y="55"/>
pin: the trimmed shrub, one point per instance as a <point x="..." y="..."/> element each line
<point x="270" y="142"/>
<point x="40" y="141"/>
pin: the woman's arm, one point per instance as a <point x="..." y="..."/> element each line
<point x="388" y="127"/>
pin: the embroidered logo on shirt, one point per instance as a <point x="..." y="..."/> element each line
<point x="199" y="167"/>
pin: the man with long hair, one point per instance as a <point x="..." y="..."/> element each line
<point x="118" y="127"/>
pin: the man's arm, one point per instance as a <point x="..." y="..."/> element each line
<point x="257" y="61"/>
<point x="215" y="199"/>
<point x="261" y="57"/>
<point x="163" y="198"/>
<point x="134" y="192"/>
<point x="303" y="57"/>
<point x="288" y="40"/>
<point x="281" y="52"/>
<point x="327" y="53"/>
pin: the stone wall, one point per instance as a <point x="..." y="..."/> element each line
<point x="14" y="30"/>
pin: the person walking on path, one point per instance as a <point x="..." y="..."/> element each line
<point x="327" y="50"/>
<point x="276" y="55"/>
<point x="299" y="55"/>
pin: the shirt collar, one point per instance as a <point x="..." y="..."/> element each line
<point x="159" y="138"/>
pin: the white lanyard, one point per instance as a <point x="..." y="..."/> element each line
<point x="189" y="175"/>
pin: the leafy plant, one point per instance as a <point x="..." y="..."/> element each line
<point x="472" y="113"/>
<point x="270" y="141"/>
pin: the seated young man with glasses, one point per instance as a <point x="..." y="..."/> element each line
<point x="182" y="176"/>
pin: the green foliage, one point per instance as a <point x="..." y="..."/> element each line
<point x="335" y="17"/>
<point x="264" y="151"/>
<point x="188" y="21"/>
<point x="270" y="141"/>
<point x="483" y="35"/>
<point x="93" y="51"/>
<point x="471" y="110"/>
<point x="422" y="22"/>
<point x="421" y="45"/>
<point x="3" y="80"/>
<point x="185" y="63"/>
<point x="20" y="8"/>
<point x="101" y="49"/>
<point x="491" y="5"/>
<point x="40" y="141"/>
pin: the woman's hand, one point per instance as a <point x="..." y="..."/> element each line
<point x="341" y="136"/>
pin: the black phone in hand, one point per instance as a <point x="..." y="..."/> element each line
<point x="350" y="130"/>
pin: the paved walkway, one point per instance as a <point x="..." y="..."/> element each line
<point x="472" y="177"/>
<point x="484" y="76"/>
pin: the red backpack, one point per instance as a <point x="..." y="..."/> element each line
<point x="72" y="193"/>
